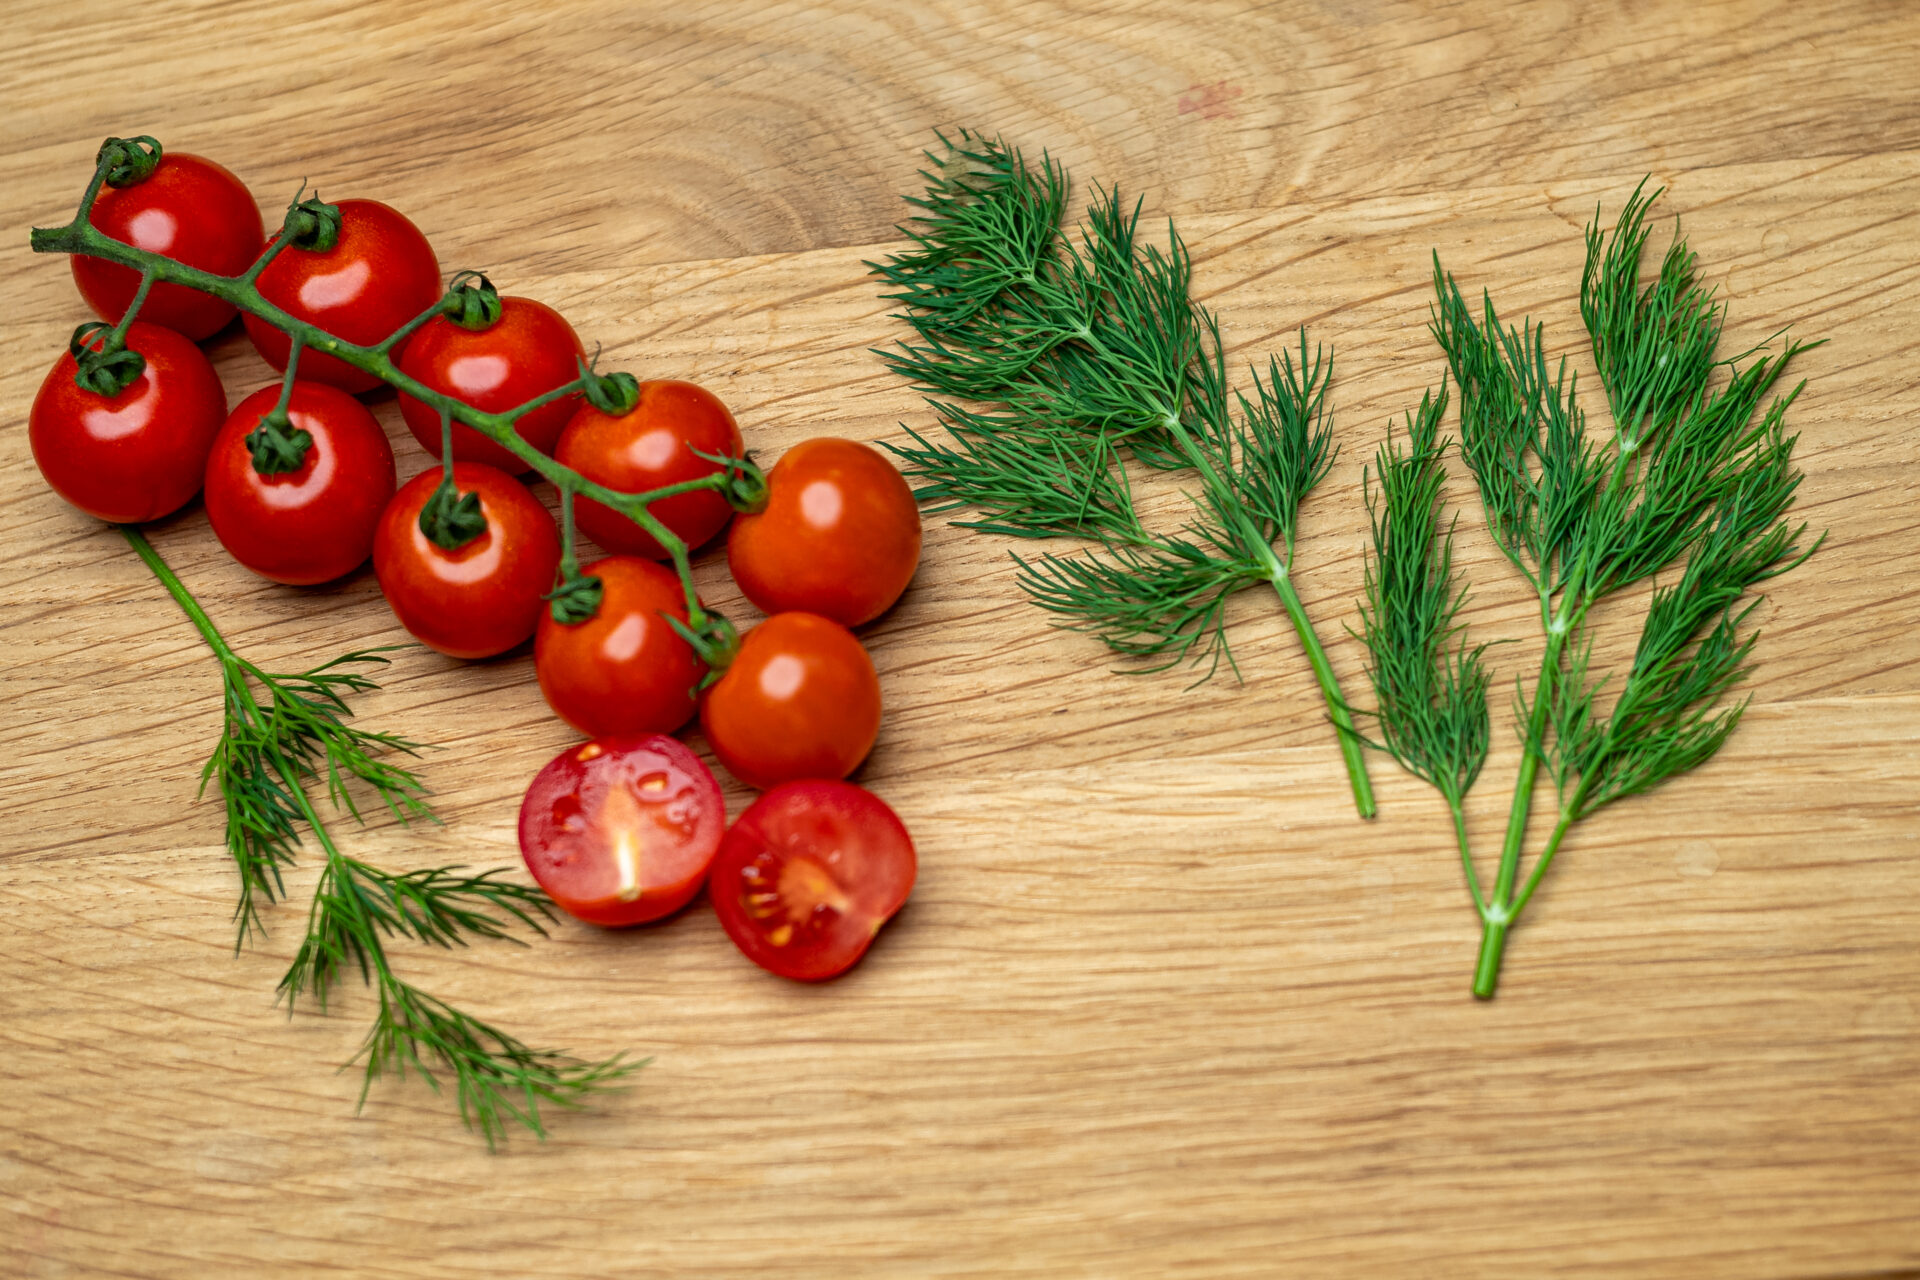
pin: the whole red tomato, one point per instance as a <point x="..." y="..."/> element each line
<point x="625" y="671"/>
<point x="801" y="700"/>
<point x="621" y="831"/>
<point x="138" y="455"/>
<point x="808" y="874"/>
<point x="484" y="596"/>
<point x="647" y="448"/>
<point x="527" y="352"/>
<point x="840" y="535"/>
<point x="378" y="275"/>
<point x="191" y="210"/>
<point x="314" y="523"/>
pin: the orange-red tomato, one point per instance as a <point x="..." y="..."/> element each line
<point x="480" y="598"/>
<point x="650" y="447"/>
<point x="625" y="671"/>
<point x="840" y="535"/>
<point x="312" y="524"/>
<point x="620" y="831"/>
<point x="379" y="274"/>
<point x="807" y="876"/>
<point x="138" y="455"/>
<point x="801" y="700"/>
<point x="191" y="210"/>
<point x="527" y="352"/>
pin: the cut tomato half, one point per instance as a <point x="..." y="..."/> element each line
<point x="808" y="874"/>
<point x="622" y="831"/>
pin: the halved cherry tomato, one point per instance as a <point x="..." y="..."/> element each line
<point x="480" y="598"/>
<point x="527" y="352"/>
<point x="138" y="455"/>
<point x="625" y="671"/>
<point x="649" y="447"/>
<point x="808" y="874"/>
<point x="801" y="700"/>
<point x="193" y="211"/>
<point x="620" y="831"/>
<point x="312" y="524"/>
<point x="380" y="274"/>
<point x="840" y="535"/>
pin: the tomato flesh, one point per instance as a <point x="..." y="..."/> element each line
<point x="808" y="874"/>
<point x="621" y="831"/>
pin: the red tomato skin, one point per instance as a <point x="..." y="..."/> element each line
<point x="479" y="599"/>
<point x="648" y="448"/>
<point x="576" y="789"/>
<point x="846" y="831"/>
<point x="527" y="353"/>
<point x="840" y="535"/>
<point x="311" y="525"/>
<point x="801" y="700"/>
<point x="380" y="274"/>
<point x="624" y="671"/>
<point x="189" y="209"/>
<point x="141" y="454"/>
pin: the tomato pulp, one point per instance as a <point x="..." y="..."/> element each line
<point x="379" y="274"/>
<point x="527" y="352"/>
<point x="624" y="671"/>
<point x="484" y="596"/>
<point x="840" y="535"/>
<point x="808" y="874"/>
<point x="193" y="211"/>
<point x="138" y="455"/>
<point x="620" y="831"/>
<point x="312" y="524"/>
<point x="651" y="447"/>
<point x="801" y="700"/>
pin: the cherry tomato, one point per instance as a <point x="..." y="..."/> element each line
<point x="801" y="700"/>
<point x="191" y="210"/>
<point x="840" y="535"/>
<point x="312" y="524"/>
<point x="808" y="874"/>
<point x="484" y="596"/>
<point x="621" y="831"/>
<point x="647" y="448"/>
<point x="138" y="455"/>
<point x="624" y="671"/>
<point x="380" y="274"/>
<point x="528" y="352"/>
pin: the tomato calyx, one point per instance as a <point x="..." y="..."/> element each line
<point x="614" y="394"/>
<point x="278" y="447"/>
<point x="472" y="302"/>
<point x="451" y="519"/>
<point x="715" y="641"/>
<point x="576" y="599"/>
<point x="311" y="223"/>
<point x="106" y="365"/>
<point x="746" y="484"/>
<point x="128" y="161"/>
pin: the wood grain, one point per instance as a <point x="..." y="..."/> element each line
<point x="1160" y="1005"/>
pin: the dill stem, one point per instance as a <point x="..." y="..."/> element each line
<point x="181" y="596"/>
<point x="1498" y="914"/>
<point x="1350" y="746"/>
<point x="1466" y="852"/>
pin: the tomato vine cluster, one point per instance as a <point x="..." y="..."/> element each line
<point x="301" y="487"/>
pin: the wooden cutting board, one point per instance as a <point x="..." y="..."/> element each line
<point x="1160" y="1005"/>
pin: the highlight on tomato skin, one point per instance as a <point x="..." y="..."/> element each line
<point x="621" y="831"/>
<point x="808" y="874"/>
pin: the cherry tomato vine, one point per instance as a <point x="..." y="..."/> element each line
<point x="107" y="366"/>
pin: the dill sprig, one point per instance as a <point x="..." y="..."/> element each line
<point x="295" y="733"/>
<point x="1053" y="363"/>
<point x="1694" y="475"/>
